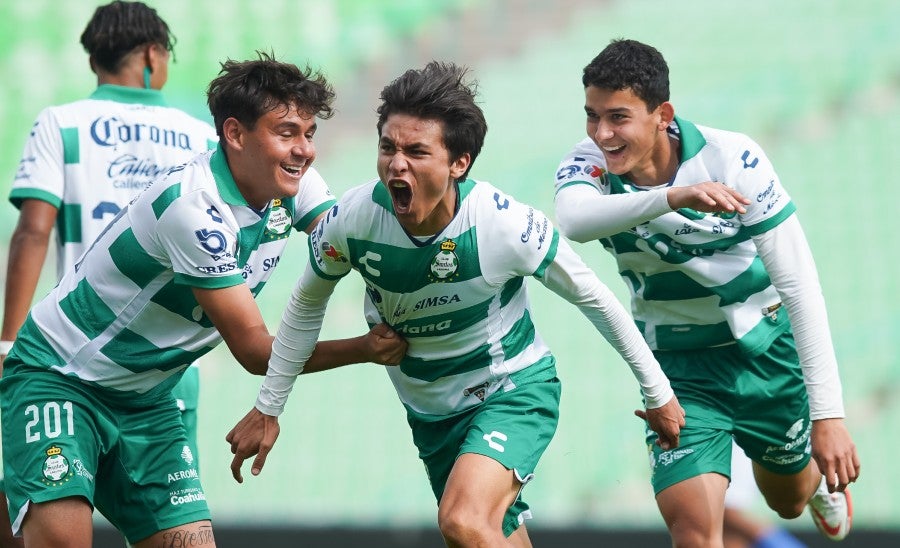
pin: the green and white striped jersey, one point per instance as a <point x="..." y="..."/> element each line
<point x="125" y="317"/>
<point x="696" y="279"/>
<point x="459" y="299"/>
<point x="90" y="157"/>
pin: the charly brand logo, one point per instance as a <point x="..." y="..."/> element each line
<point x="110" y="131"/>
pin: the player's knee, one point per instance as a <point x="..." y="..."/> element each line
<point x="787" y="505"/>
<point x="460" y="527"/>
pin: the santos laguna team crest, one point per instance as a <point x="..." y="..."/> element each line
<point x="279" y="222"/>
<point x="56" y="468"/>
<point x="445" y="264"/>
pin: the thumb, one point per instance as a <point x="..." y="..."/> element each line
<point x="640" y="413"/>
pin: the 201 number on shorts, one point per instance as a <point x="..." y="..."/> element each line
<point x="49" y="421"/>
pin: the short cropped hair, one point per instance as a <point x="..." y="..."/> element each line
<point x="118" y="27"/>
<point x="629" y="64"/>
<point x="246" y="90"/>
<point x="439" y="92"/>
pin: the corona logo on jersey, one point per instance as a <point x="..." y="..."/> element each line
<point x="110" y="132"/>
<point x="445" y="264"/>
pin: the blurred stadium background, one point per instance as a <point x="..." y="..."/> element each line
<point x="817" y="83"/>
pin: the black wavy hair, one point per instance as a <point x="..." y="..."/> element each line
<point x="118" y="27"/>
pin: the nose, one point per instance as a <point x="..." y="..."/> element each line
<point x="602" y="132"/>
<point x="397" y="163"/>
<point x="304" y="148"/>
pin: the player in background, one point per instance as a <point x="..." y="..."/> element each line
<point x="444" y="259"/>
<point x="85" y="160"/>
<point x="708" y="241"/>
<point x="740" y="527"/>
<point x="88" y="416"/>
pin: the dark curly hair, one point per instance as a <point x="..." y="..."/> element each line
<point x="439" y="92"/>
<point x="246" y="90"/>
<point x="629" y="64"/>
<point x="118" y="27"/>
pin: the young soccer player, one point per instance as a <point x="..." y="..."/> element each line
<point x="445" y="260"/>
<point x="725" y="291"/>
<point x="84" y="161"/>
<point x="89" y="419"/>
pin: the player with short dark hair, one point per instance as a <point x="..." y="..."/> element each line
<point x="445" y="259"/>
<point x="725" y="291"/>
<point x="89" y="419"/>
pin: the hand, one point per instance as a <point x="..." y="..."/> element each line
<point x="384" y="345"/>
<point x="708" y="197"/>
<point x="255" y="434"/>
<point x="667" y="421"/>
<point x="835" y="453"/>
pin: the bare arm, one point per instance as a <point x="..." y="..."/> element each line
<point x="237" y="318"/>
<point x="27" y="252"/>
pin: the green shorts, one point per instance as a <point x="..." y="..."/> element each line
<point x="760" y="402"/>
<point x="513" y="428"/>
<point x="187" y="395"/>
<point x="62" y="438"/>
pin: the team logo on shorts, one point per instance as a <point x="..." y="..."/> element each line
<point x="279" y="222"/>
<point x="56" y="468"/>
<point x="445" y="263"/>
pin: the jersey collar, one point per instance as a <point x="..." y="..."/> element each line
<point x="689" y="136"/>
<point x="228" y="189"/>
<point x="125" y="94"/>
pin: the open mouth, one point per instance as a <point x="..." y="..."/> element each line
<point x="294" y="170"/>
<point x="401" y="196"/>
<point x="613" y="151"/>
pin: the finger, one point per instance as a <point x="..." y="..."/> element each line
<point x="236" y="463"/>
<point x="259" y="461"/>
<point x="640" y="413"/>
<point x="834" y="480"/>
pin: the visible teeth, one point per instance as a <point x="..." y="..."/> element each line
<point x="398" y="185"/>
<point x="613" y="149"/>
<point x="294" y="169"/>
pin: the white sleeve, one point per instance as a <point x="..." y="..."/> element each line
<point x="41" y="173"/>
<point x="295" y="341"/>
<point x="570" y="278"/>
<point x="789" y="262"/>
<point x="585" y="214"/>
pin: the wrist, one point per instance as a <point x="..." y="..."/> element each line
<point x="5" y="347"/>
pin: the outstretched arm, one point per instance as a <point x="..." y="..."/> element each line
<point x="570" y="278"/>
<point x="237" y="318"/>
<point x="586" y="214"/>
<point x="785" y="253"/>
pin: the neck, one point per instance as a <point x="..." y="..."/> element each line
<point x="663" y="164"/>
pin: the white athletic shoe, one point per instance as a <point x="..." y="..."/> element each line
<point x="831" y="512"/>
